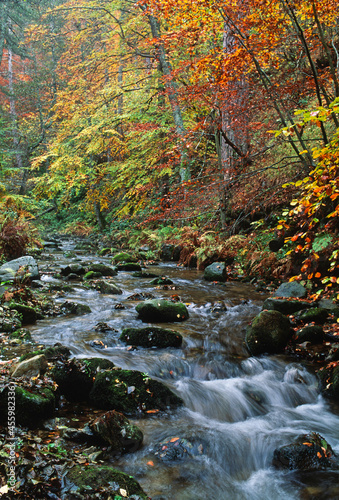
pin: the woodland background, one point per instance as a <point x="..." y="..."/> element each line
<point x="210" y="124"/>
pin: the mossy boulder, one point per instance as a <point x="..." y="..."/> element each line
<point x="317" y="314"/>
<point x="32" y="404"/>
<point x="92" y="275"/>
<point x="68" y="307"/>
<point x="10" y="320"/>
<point x="312" y="333"/>
<point x="123" y="257"/>
<point x="77" y="269"/>
<point x="94" y="478"/>
<point x="329" y="380"/>
<point x="285" y="306"/>
<point x="75" y="377"/>
<point x="128" y="266"/>
<point x="28" y="314"/>
<point x="57" y="352"/>
<point x="309" y="452"/>
<point x="161" y="280"/>
<point x="291" y="289"/>
<point x="151" y="337"/>
<point x="105" y="287"/>
<point x="162" y="311"/>
<point x="114" y="429"/>
<point x="215" y="272"/>
<point x="144" y="274"/>
<point x="104" y="251"/>
<point x="105" y="270"/>
<point x="269" y="332"/>
<point x="131" y="392"/>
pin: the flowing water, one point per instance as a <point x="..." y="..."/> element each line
<point x="237" y="409"/>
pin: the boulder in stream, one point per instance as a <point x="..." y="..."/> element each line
<point x="162" y="311"/>
<point x="269" y="332"/>
<point x="77" y="269"/>
<point x="105" y="287"/>
<point x="309" y="452"/>
<point x="105" y="270"/>
<point x="161" y="280"/>
<point x="10" y="268"/>
<point x="151" y="337"/>
<point x="291" y="289"/>
<point x="131" y="392"/>
<point x="114" y="429"/>
<point x="329" y="380"/>
<point x="75" y="376"/>
<point x="123" y="257"/>
<point x="176" y="449"/>
<point x="68" y="307"/>
<point x="128" y="266"/>
<point x="215" y="272"/>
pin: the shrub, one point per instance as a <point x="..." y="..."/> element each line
<point x="15" y="237"/>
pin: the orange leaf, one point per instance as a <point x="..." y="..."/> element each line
<point x="317" y="275"/>
<point x="150" y="463"/>
<point x="173" y="440"/>
<point x="308" y="444"/>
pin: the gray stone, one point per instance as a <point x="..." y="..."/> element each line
<point x="9" y="269"/>
<point x="215" y="272"/>
<point x="31" y="367"/>
<point x="291" y="289"/>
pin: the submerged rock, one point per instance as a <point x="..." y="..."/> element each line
<point x="162" y="311"/>
<point x="131" y="392"/>
<point x="215" y="272"/>
<point x="68" y="307"/>
<point x="176" y="449"/>
<point x="309" y="452"/>
<point x="269" y="332"/>
<point x="115" y="429"/>
<point x="151" y="337"/>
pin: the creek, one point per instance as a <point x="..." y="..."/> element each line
<point x="237" y="409"/>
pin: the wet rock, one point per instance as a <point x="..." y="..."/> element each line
<point x="329" y="380"/>
<point x="151" y="337"/>
<point x="161" y="280"/>
<point x="87" y="480"/>
<point x="215" y="272"/>
<point x="75" y="377"/>
<point x="9" y="269"/>
<point x="21" y="334"/>
<point x="73" y="277"/>
<point x="92" y="275"/>
<point x="144" y="274"/>
<point x="162" y="311"/>
<point x="285" y="306"/>
<point x="10" y="320"/>
<point x="32" y="404"/>
<point x="176" y="449"/>
<point x="103" y="269"/>
<point x="105" y="287"/>
<point x="57" y="352"/>
<point x="333" y="354"/>
<point x="104" y="327"/>
<point x="291" y="289"/>
<point x="31" y="367"/>
<point x="131" y="392"/>
<point x="119" y="306"/>
<point x="166" y="252"/>
<point x="140" y="296"/>
<point x="313" y="334"/>
<point x="123" y="257"/>
<point x="317" y="314"/>
<point x="218" y="307"/>
<point x="77" y="269"/>
<point x="68" y="307"/>
<point x="309" y="452"/>
<point x="114" y="429"/>
<point x="28" y="314"/>
<point x="269" y="332"/>
<point x="128" y="266"/>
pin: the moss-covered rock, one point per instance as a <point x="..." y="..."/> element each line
<point x="131" y="392"/>
<point x="115" y="429"/>
<point x="312" y="333"/>
<point x="68" y="307"/>
<point x="162" y="311"/>
<point x="317" y="314"/>
<point x="21" y="334"/>
<point x="77" y="269"/>
<point x="92" y="275"/>
<point x="269" y="332"/>
<point x="285" y="306"/>
<point x="151" y="337"/>
<point x="92" y="478"/>
<point x="215" y="272"/>
<point x="329" y="380"/>
<point x="32" y="404"/>
<point x="123" y="257"/>
<point x="128" y="266"/>
<point x="309" y="452"/>
<point x="103" y="269"/>
<point x="161" y="280"/>
<point x="105" y="287"/>
<point x="75" y="377"/>
<point x="28" y="314"/>
<point x="144" y="274"/>
<point x="57" y="352"/>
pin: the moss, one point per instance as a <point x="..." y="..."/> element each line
<point x="56" y="352"/>
<point x="316" y="314"/>
<point x="160" y="310"/>
<point x="268" y="333"/>
<point x="131" y="392"/>
<point x="123" y="257"/>
<point x="103" y="269"/>
<point x="129" y="266"/>
<point x="91" y="275"/>
<point x="30" y="408"/>
<point x="151" y="337"/>
<point x="97" y="476"/>
<point x="28" y="313"/>
<point x="161" y="280"/>
<point x="22" y="334"/>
